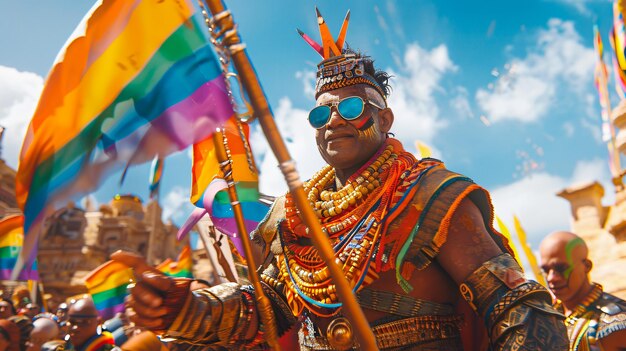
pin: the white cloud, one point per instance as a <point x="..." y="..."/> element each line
<point x="413" y="97"/>
<point x="300" y="139"/>
<point x="176" y="205"/>
<point x="569" y="129"/>
<point x="460" y="103"/>
<point x="19" y="93"/>
<point x="596" y="169"/>
<point x="531" y="84"/>
<point x="581" y="5"/>
<point x="533" y="199"/>
<point x="308" y="82"/>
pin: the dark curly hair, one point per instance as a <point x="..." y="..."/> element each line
<point x="382" y="77"/>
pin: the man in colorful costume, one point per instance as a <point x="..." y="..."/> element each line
<point x="595" y="320"/>
<point x="407" y="233"/>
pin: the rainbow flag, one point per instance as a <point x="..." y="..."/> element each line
<point x="98" y="341"/>
<point x="11" y="240"/>
<point x="617" y="38"/>
<point x="155" y="176"/>
<point x="601" y="77"/>
<point x="136" y="79"/>
<point x="209" y="189"/>
<point x="181" y="268"/>
<point x="107" y="286"/>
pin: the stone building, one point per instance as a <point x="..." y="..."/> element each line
<point x="604" y="227"/>
<point x="76" y="240"/>
<point x="8" y="204"/>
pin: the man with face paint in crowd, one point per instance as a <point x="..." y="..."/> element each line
<point x="595" y="320"/>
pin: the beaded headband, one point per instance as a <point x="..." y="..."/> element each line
<point x="337" y="70"/>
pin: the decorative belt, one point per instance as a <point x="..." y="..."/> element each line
<point x="401" y="305"/>
<point x="427" y="331"/>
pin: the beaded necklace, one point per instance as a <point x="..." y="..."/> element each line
<point x="582" y="308"/>
<point x="352" y="217"/>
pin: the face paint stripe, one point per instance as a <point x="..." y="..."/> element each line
<point x="365" y="124"/>
<point x="569" y="249"/>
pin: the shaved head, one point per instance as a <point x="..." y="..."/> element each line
<point x="83" y="320"/>
<point x="44" y="330"/>
<point x="566" y="266"/>
<point x="83" y="307"/>
<point x="572" y="245"/>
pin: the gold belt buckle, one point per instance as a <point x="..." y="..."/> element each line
<point x="340" y="335"/>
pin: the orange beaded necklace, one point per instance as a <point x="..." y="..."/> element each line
<point x="352" y="217"/>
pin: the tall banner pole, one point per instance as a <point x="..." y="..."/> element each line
<point x="263" y="303"/>
<point x="224" y="29"/>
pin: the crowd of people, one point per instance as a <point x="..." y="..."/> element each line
<point x="75" y="325"/>
<point x="595" y="320"/>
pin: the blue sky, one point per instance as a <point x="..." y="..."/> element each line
<point x="502" y="91"/>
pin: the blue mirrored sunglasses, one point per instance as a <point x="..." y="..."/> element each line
<point x="349" y="108"/>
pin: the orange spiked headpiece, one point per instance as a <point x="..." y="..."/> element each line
<point x="338" y="69"/>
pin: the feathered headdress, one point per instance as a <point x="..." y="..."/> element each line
<point x="338" y="69"/>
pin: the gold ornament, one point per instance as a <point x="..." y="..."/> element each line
<point x="340" y="335"/>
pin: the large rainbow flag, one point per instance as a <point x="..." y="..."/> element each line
<point x="11" y="239"/>
<point x="209" y="189"/>
<point x="137" y="78"/>
<point x="181" y="268"/>
<point x="107" y="285"/>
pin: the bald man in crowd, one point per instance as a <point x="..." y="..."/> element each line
<point x="83" y="322"/>
<point x="44" y="330"/>
<point x="595" y="320"/>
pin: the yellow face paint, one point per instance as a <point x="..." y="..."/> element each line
<point x="369" y="129"/>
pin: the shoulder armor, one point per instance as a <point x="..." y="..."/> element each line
<point x="612" y="314"/>
<point x="439" y="195"/>
<point x="610" y="304"/>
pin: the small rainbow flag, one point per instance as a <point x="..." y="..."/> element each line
<point x="107" y="286"/>
<point x="181" y="268"/>
<point x="601" y="77"/>
<point x="209" y="189"/>
<point x="97" y="341"/>
<point x="155" y="176"/>
<point x="137" y="78"/>
<point x="617" y="38"/>
<point x="11" y="239"/>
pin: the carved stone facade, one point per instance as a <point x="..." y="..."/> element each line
<point x="8" y="204"/>
<point x="76" y="241"/>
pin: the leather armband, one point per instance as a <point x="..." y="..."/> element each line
<point x="517" y="312"/>
<point x="219" y="315"/>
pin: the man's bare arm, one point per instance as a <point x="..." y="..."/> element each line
<point x="517" y="313"/>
